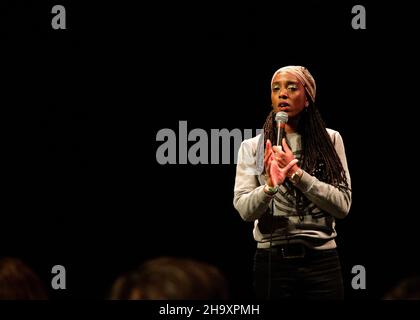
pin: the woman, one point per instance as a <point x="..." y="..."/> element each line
<point x="293" y="194"/>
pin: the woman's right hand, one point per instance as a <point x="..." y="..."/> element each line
<point x="274" y="173"/>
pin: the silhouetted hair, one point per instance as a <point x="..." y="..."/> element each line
<point x="19" y="282"/>
<point x="169" y="278"/>
<point x="406" y="289"/>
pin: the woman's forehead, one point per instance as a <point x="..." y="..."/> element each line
<point x="285" y="76"/>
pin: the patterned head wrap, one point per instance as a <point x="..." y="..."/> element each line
<point x="304" y="77"/>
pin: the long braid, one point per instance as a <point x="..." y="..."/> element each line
<point x="269" y="129"/>
<point x="319" y="157"/>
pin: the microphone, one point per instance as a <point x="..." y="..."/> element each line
<point x="281" y="119"/>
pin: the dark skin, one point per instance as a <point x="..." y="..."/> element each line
<point x="275" y="173"/>
<point x="284" y="157"/>
<point x="287" y="95"/>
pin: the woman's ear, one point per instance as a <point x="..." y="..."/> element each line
<point x="306" y="103"/>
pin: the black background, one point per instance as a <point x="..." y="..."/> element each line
<point x="81" y="108"/>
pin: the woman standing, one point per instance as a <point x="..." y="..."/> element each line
<point x="294" y="193"/>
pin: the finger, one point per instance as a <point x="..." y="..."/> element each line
<point x="276" y="149"/>
<point x="278" y="152"/>
<point x="268" y="150"/>
<point x="267" y="169"/>
<point x="268" y="145"/>
<point x="285" y="146"/>
<point x="290" y="164"/>
<point x="267" y="156"/>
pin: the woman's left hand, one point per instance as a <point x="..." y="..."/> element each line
<point x="283" y="158"/>
<point x="278" y="174"/>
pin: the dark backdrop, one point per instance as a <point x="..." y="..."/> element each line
<point x="81" y="109"/>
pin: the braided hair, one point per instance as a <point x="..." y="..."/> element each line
<point x="319" y="157"/>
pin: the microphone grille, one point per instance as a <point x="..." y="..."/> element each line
<point x="282" y="117"/>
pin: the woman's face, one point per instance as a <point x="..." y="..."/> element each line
<point x="288" y="94"/>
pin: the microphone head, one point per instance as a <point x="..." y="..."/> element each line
<point x="281" y="117"/>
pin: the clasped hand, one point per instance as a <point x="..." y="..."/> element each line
<point x="277" y="162"/>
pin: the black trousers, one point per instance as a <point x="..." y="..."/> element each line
<point x="314" y="274"/>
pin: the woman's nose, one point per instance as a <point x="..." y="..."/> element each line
<point x="283" y="94"/>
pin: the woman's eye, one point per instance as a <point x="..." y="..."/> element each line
<point x="275" y="88"/>
<point x="293" y="88"/>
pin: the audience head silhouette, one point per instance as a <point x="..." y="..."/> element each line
<point x="19" y="282"/>
<point x="407" y="289"/>
<point x="170" y="278"/>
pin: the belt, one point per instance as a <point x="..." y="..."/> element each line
<point x="289" y="251"/>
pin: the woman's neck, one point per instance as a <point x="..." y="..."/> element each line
<point x="291" y="125"/>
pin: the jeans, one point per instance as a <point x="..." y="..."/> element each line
<point x="316" y="275"/>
